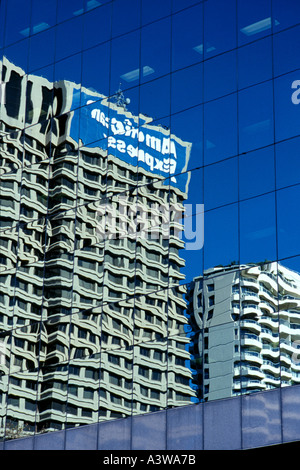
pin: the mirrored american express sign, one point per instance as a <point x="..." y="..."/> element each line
<point x="131" y="139"/>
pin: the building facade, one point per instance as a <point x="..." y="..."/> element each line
<point x="149" y="187"/>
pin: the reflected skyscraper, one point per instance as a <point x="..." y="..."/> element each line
<point x="247" y="319"/>
<point x="92" y="311"/>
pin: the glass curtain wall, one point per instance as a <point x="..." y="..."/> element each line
<point x="149" y="187"/>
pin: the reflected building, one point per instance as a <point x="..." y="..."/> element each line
<point x="247" y="320"/>
<point x="92" y="310"/>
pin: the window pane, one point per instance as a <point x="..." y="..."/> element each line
<point x="188" y="126"/>
<point x="154" y="9"/>
<point x="155" y="50"/>
<point x="220" y="129"/>
<point x="255" y="117"/>
<point x="255" y="63"/>
<point x="258" y="229"/>
<point x="219" y="26"/>
<point x="256" y="173"/>
<point x="220" y="183"/>
<point x="69" y="8"/>
<point x="95" y="69"/>
<point x="129" y="10"/>
<point x="155" y="98"/>
<point x="287" y="116"/>
<point x="17" y="20"/>
<point x="93" y="33"/>
<point x="187" y="87"/>
<point x="288" y="222"/>
<point x="41" y="51"/>
<point x="254" y="20"/>
<point x="125" y="61"/>
<point x="43" y="15"/>
<point x="221" y="236"/>
<point x="287" y="163"/>
<point x="215" y="85"/>
<point x="285" y="44"/>
<point x="187" y="37"/>
<point x="285" y="13"/>
<point x="68" y="38"/>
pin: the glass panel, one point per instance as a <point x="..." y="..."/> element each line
<point x="288" y="224"/>
<point x="43" y="15"/>
<point x="257" y="173"/>
<point x="255" y="63"/>
<point x="116" y="360"/>
<point x="220" y="129"/>
<point x="258" y="238"/>
<point x="256" y="117"/>
<point x="17" y="20"/>
<point x="219" y="27"/>
<point x="72" y="31"/>
<point x="285" y="13"/>
<point x="187" y="48"/>
<point x="221" y="237"/>
<point x="154" y="9"/>
<point x="95" y="69"/>
<point x="125" y="62"/>
<point x="286" y="100"/>
<point x="284" y="59"/>
<point x="69" y="8"/>
<point x="155" y="98"/>
<point x="150" y="361"/>
<point x="69" y="69"/>
<point x="287" y="163"/>
<point x="259" y="327"/>
<point x="186" y="90"/>
<point x="155" y="50"/>
<point x="18" y="54"/>
<point x="129" y="10"/>
<point x="224" y="177"/>
<point x="254" y="21"/>
<point x="96" y="26"/>
<point x="214" y="87"/>
<point x="41" y="50"/>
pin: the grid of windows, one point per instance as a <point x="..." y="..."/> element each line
<point x="149" y="182"/>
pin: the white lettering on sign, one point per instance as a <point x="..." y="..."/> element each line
<point x="164" y="146"/>
<point x="296" y="94"/>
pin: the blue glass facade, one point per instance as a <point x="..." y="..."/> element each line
<point x="149" y="238"/>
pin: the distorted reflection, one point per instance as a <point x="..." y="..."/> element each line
<point x="247" y="323"/>
<point x="111" y="302"/>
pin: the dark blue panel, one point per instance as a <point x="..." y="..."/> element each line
<point x="258" y="229"/>
<point x="220" y="76"/>
<point x="288" y="222"/>
<point x="255" y="62"/>
<point x="254" y="20"/>
<point x="220" y="129"/>
<point x="219" y="27"/>
<point x="287" y="162"/>
<point x="221" y="236"/>
<point x="256" y="127"/>
<point x="287" y="109"/>
<point x="257" y="172"/>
